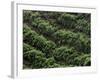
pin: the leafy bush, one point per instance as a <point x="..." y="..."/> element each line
<point x="35" y="57"/>
<point x="83" y="44"/>
<point x="67" y="20"/>
<point x="26" y="47"/>
<point x="83" y="26"/>
<point x="63" y="54"/>
<point x="49" y="47"/>
<point x="83" y="60"/>
<point x="43" y="26"/>
<point x="63" y="37"/>
<point x="50" y="62"/>
<point x="28" y="34"/>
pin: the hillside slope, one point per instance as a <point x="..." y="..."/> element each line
<point x="56" y="39"/>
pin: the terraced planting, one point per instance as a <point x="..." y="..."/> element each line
<point x="56" y="39"/>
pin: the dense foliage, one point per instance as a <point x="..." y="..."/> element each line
<point x="56" y="39"/>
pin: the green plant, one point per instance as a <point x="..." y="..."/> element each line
<point x="67" y="20"/>
<point x="56" y="39"/>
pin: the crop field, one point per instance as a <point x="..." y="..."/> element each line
<point x="56" y="39"/>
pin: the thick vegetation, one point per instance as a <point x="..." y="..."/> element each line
<point x="56" y="39"/>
